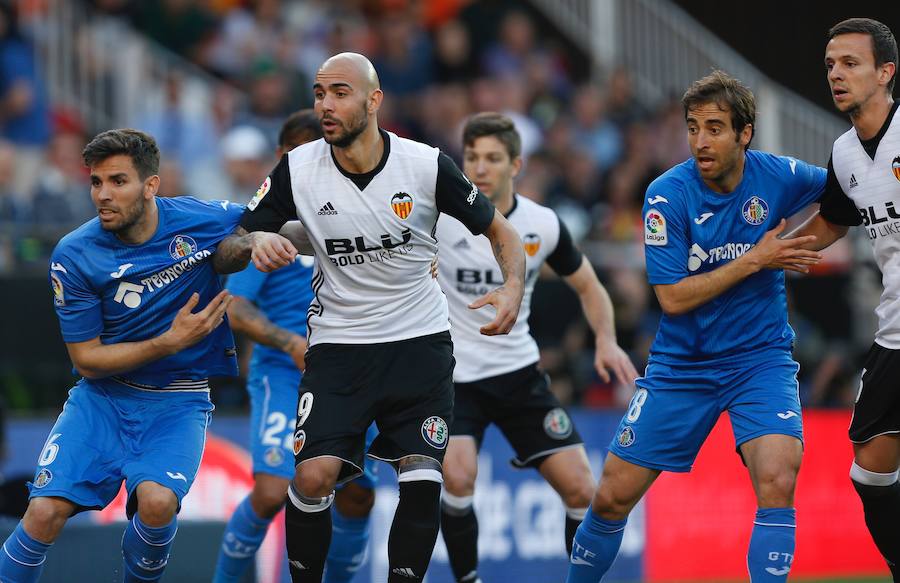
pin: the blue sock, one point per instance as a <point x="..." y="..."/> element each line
<point x="22" y="559"/>
<point x="772" y="545"/>
<point x="349" y="547"/>
<point x="594" y="548"/>
<point x="243" y="535"/>
<point x="145" y="550"/>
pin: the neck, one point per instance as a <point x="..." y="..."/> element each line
<point x="869" y="118"/>
<point x="364" y="154"/>
<point x="503" y="201"/>
<point x="141" y="232"/>
<point x="726" y="183"/>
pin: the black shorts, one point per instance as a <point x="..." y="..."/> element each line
<point x="877" y="409"/>
<point x="521" y="404"/>
<point x="406" y="387"/>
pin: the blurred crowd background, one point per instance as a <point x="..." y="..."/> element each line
<point x="591" y="145"/>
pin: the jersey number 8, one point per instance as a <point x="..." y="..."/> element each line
<point x="634" y="411"/>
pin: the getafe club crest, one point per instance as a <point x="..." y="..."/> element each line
<point x="557" y="423"/>
<point x="435" y="432"/>
<point x="402" y="204"/>
<point x="626" y="437"/>
<point x="755" y="210"/>
<point x="43" y="478"/>
<point x="182" y="246"/>
<point x="274" y="456"/>
<point x="895" y="166"/>
<point x="532" y="242"/>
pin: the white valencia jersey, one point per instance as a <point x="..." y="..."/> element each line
<point x="872" y="183"/>
<point x="467" y="270"/>
<point x="373" y="236"/>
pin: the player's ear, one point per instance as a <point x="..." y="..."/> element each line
<point x="375" y="100"/>
<point x="746" y="135"/>
<point x="151" y="186"/>
<point x="516" y="166"/>
<point x="887" y="72"/>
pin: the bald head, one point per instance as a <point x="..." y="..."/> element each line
<point x="353" y="65"/>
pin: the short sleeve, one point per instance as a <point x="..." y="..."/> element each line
<point x="566" y="258"/>
<point x="456" y="196"/>
<point x="246" y="283"/>
<point x="273" y="204"/>
<point x="666" y="236"/>
<point x="78" y="305"/>
<point x="806" y="184"/>
<point x="835" y="206"/>
<point x="227" y="217"/>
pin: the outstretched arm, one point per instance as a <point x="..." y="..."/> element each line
<point x="507" y="298"/>
<point x="824" y="231"/>
<point x="269" y="251"/>
<point x="249" y="320"/>
<point x="598" y="310"/>
<point x="93" y="359"/>
<point x="770" y="253"/>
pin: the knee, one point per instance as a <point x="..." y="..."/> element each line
<point x="354" y="501"/>
<point x="459" y="478"/>
<point x="45" y="517"/>
<point x="577" y="493"/>
<point x="315" y="480"/>
<point x="611" y="505"/>
<point x="156" y="504"/>
<point x="267" y="500"/>
<point x="775" y="486"/>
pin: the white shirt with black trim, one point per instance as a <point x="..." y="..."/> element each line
<point x="868" y="174"/>
<point x="467" y="270"/>
<point x="373" y="236"/>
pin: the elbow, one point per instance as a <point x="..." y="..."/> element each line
<point x="672" y="307"/>
<point x="88" y="372"/>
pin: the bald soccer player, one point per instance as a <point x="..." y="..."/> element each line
<point x="378" y="328"/>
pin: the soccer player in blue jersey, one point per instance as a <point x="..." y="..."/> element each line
<point x="141" y="311"/>
<point x="716" y="264"/>
<point x="270" y="308"/>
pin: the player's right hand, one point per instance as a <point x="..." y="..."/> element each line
<point x="788" y="254"/>
<point x="270" y="251"/>
<point x="297" y="350"/>
<point x="189" y="327"/>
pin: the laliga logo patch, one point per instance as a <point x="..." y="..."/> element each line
<point x="43" y="478"/>
<point x="626" y="438"/>
<point x="755" y="210"/>
<point x="58" y="294"/>
<point x="435" y="432"/>
<point x="655" y="228"/>
<point x="532" y="243"/>
<point x="274" y="456"/>
<point x="182" y="246"/>
<point x="260" y="193"/>
<point x="402" y="204"/>
<point x="557" y="423"/>
<point x="895" y="167"/>
<point x="299" y="441"/>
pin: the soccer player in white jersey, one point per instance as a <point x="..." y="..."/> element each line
<point x="864" y="189"/>
<point x="378" y="326"/>
<point x="497" y="378"/>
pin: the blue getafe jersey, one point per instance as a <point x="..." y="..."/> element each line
<point x="690" y="230"/>
<point x="283" y="296"/>
<point x="125" y="293"/>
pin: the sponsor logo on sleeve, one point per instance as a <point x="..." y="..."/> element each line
<point x="260" y="193"/>
<point x="655" y="228"/>
<point x="59" y="297"/>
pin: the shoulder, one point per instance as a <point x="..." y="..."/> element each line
<point x="411" y="148"/>
<point x="844" y="142"/>
<point x="535" y="211"/>
<point x="672" y="184"/>
<point x="308" y="153"/>
<point x="80" y="239"/>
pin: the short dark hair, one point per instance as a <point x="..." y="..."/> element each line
<point x="728" y="93"/>
<point x="884" y="45"/>
<point x="497" y="125"/>
<point x="137" y="145"/>
<point x="299" y="122"/>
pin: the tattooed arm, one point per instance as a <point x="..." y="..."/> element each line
<point x="249" y="320"/>
<point x="269" y="251"/>
<point x="507" y="298"/>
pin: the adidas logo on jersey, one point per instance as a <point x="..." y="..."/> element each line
<point x="404" y="572"/>
<point x="853" y="183"/>
<point x="461" y="244"/>
<point x="327" y="209"/>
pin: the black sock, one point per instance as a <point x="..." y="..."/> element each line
<point x="308" y="534"/>
<point x="882" y="509"/>
<point x="460" y="529"/>
<point x="414" y="531"/>
<point x="572" y="525"/>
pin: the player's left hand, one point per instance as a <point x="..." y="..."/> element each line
<point x="608" y="355"/>
<point x="434" y="264"/>
<point x="297" y="350"/>
<point x="506" y="299"/>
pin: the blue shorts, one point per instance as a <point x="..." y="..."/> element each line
<point x="676" y="406"/>
<point x="273" y="414"/>
<point x="108" y="432"/>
